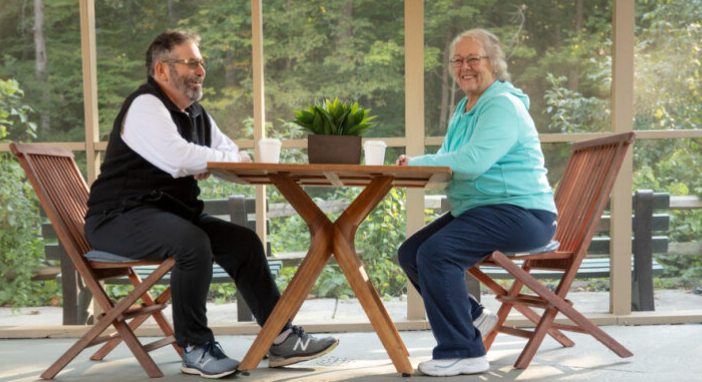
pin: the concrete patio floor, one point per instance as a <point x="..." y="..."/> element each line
<point x="661" y="353"/>
<point x="330" y="311"/>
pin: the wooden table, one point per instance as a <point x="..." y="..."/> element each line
<point x="329" y="238"/>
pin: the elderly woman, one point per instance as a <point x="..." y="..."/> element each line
<point x="499" y="195"/>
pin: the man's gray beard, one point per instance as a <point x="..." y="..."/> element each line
<point x="183" y="84"/>
<point x="194" y="94"/>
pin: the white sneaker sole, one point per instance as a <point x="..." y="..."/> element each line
<point x="278" y="362"/>
<point x="189" y="370"/>
<point x="456" y="368"/>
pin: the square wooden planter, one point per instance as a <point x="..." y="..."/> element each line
<point x="334" y="149"/>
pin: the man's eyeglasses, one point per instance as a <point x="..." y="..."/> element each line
<point x="192" y="63"/>
<point x="471" y="61"/>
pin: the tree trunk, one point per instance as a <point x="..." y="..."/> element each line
<point x="574" y="72"/>
<point x="345" y="32"/>
<point x="557" y="40"/>
<point x="172" y="14"/>
<point x="230" y="68"/>
<point x="41" y="64"/>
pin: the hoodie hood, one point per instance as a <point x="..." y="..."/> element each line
<point x="501" y="88"/>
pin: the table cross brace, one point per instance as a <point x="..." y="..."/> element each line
<point x="329" y="238"/>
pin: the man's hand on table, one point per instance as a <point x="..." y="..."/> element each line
<point x="202" y="176"/>
<point x="245" y="157"/>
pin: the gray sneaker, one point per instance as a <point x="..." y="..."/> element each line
<point x="485" y="322"/>
<point x="299" y="346"/>
<point x="208" y="361"/>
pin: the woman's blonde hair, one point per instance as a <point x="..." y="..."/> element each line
<point x="492" y="47"/>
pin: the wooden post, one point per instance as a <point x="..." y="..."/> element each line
<point x="622" y="121"/>
<point x="259" y="107"/>
<point x="414" y="127"/>
<point x="90" y="84"/>
<point x="90" y="105"/>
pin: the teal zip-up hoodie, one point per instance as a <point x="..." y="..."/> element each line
<point x="494" y="153"/>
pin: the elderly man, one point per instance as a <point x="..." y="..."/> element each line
<point x="144" y="205"/>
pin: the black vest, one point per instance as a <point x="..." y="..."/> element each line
<point x="127" y="179"/>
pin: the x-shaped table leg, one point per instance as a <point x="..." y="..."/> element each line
<point x="328" y="238"/>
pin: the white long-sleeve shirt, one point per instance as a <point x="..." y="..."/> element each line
<point x="149" y="130"/>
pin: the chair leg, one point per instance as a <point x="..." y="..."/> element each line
<point x="525" y="311"/>
<point x="561" y="305"/>
<point x="168" y="331"/>
<point x="145" y="360"/>
<point x="137" y="321"/>
<point x="163" y="323"/>
<point x="74" y="350"/>
<point x="536" y="339"/>
<point x="554" y="333"/>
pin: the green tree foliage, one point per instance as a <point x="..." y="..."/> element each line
<point x="312" y="50"/>
<point x="558" y="52"/>
<point x="14" y="115"/>
<point x="571" y="112"/>
<point x="64" y="73"/>
<point x="22" y="247"/>
<point x="668" y="76"/>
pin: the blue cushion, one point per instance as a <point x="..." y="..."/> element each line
<point x="550" y="247"/>
<point x="106" y="257"/>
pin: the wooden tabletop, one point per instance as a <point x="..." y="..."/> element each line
<point x="331" y="174"/>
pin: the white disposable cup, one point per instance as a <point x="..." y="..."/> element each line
<point x="270" y="150"/>
<point x="375" y="152"/>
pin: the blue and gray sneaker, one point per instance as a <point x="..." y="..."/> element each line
<point x="208" y="361"/>
<point x="299" y="346"/>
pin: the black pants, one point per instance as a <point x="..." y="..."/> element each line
<point x="149" y="233"/>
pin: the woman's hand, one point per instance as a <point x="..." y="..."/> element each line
<point x="402" y="160"/>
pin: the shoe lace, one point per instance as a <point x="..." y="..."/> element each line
<point x="298" y="331"/>
<point x="213" y="348"/>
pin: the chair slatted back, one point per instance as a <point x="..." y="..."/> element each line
<point x="63" y="194"/>
<point x="583" y="192"/>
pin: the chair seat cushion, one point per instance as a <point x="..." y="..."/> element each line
<point x="550" y="247"/>
<point x="106" y="257"/>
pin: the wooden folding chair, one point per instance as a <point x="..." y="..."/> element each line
<point x="63" y="193"/>
<point x="581" y="197"/>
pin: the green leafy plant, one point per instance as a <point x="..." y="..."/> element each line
<point x="14" y="114"/>
<point x="334" y="118"/>
<point x="20" y="240"/>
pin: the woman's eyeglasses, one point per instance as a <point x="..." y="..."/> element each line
<point x="471" y="61"/>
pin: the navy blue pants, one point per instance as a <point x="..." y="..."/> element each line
<point x="435" y="259"/>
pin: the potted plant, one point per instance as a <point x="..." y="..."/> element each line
<point x="335" y="129"/>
